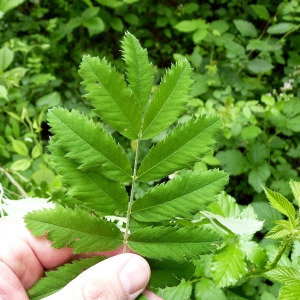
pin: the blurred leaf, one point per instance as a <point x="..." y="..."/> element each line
<point x="6" y="56"/>
<point x="258" y="66"/>
<point x="21" y="164"/>
<point x="280" y="28"/>
<point x="233" y="161"/>
<point x="245" y="28"/>
<point x="261" y="11"/>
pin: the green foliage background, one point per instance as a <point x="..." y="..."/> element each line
<point x="245" y="56"/>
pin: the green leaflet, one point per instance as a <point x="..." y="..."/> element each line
<point x="228" y="265"/>
<point x="138" y="68"/>
<point x="74" y="229"/>
<point x="112" y="100"/>
<point x="180" y="148"/>
<point x="96" y="191"/>
<point x="180" y="197"/>
<point x="169" y="273"/>
<point x="168" y="243"/>
<point x="98" y="150"/>
<point x="56" y="280"/>
<point x="285" y="275"/>
<point x="280" y="203"/>
<point x="168" y="101"/>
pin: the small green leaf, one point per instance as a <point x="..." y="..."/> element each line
<point x="280" y="203"/>
<point x="285" y="275"/>
<point x="21" y="164"/>
<point x="110" y="96"/>
<point x="169" y="273"/>
<point x="168" y="101"/>
<point x="138" y="68"/>
<point x="259" y="66"/>
<point x="280" y="28"/>
<point x="180" y="148"/>
<point x="6" y="58"/>
<point x="258" y="176"/>
<point x="245" y="28"/>
<point x="8" y="5"/>
<point x="180" y="292"/>
<point x="240" y="226"/>
<point x="295" y="187"/>
<point x="181" y="197"/>
<point x="261" y="11"/>
<point x="168" y="243"/>
<point x="90" y="187"/>
<point x="88" y="144"/>
<point x="74" y="229"/>
<point x="189" y="25"/>
<point x="56" y="280"/>
<point x="250" y="132"/>
<point x="228" y="265"/>
<point x="233" y="161"/>
<point x="206" y="289"/>
<point x="20" y="147"/>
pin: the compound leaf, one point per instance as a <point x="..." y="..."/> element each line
<point x="180" y="148"/>
<point x="168" y="243"/>
<point x="74" y="229"/>
<point x="110" y="96"/>
<point x="168" y="101"/>
<point x="181" y="197"/>
<point x="88" y="144"/>
<point x="56" y="280"/>
<point x="92" y="188"/>
<point x="138" y="68"/>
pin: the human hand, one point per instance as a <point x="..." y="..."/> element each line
<point x="23" y="259"/>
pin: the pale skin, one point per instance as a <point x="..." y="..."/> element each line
<point x="24" y="258"/>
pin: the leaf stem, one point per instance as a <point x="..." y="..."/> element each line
<point x="131" y="199"/>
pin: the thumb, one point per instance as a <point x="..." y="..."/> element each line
<point x="124" y="276"/>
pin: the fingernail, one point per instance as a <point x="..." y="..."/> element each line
<point x="135" y="275"/>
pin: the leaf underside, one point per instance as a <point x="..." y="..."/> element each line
<point x="56" y="280"/>
<point x="168" y="243"/>
<point x="74" y="229"/>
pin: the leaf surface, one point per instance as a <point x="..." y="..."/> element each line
<point x="168" y="243"/>
<point x="168" y="101"/>
<point x="280" y="203"/>
<point x="56" y="280"/>
<point x="92" y="188"/>
<point x="228" y="265"/>
<point x="138" y="69"/>
<point x="108" y="93"/>
<point x="180" y="197"/>
<point x="74" y="229"/>
<point x="180" y="148"/>
<point x="88" y="144"/>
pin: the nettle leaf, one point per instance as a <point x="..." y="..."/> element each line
<point x="74" y="229"/>
<point x="280" y="203"/>
<point x="138" y="68"/>
<point x="110" y="96"/>
<point x="98" y="150"/>
<point x="295" y="187"/>
<point x="168" y="101"/>
<point x="181" y="197"/>
<point x="182" y="291"/>
<point x="92" y="188"/>
<point x="56" y="280"/>
<point x="169" y="243"/>
<point x="290" y="292"/>
<point x="180" y="148"/>
<point x="228" y="265"/>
